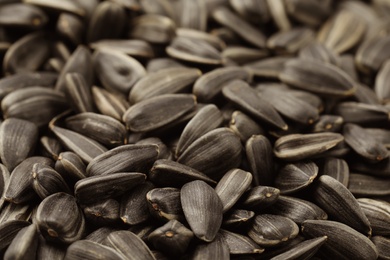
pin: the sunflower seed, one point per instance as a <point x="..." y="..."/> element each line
<point x="157" y="64"/>
<point x="11" y="211"/>
<point x="161" y="7"/>
<point x="71" y="27"/>
<point x="311" y="13"/>
<point x="361" y="185"/>
<point x="135" y="48"/>
<point x="304" y="250"/>
<point x="291" y="41"/>
<point x="347" y="64"/>
<point x="372" y="54"/>
<point x="192" y="14"/>
<point x="84" y="249"/>
<point x="50" y="147"/>
<point x="362" y="114"/>
<point x="239" y="244"/>
<point x="22" y="15"/>
<point x="109" y="104"/>
<point x="382" y="89"/>
<point x="243" y="55"/>
<point x="164" y="204"/>
<point x="164" y="151"/>
<point x="278" y="13"/>
<point x="339" y="235"/>
<point x="366" y="94"/>
<point x="336" y="168"/>
<point x="381" y="135"/>
<point x="382" y="246"/>
<point x="268" y="67"/>
<point x="319" y="52"/>
<point x="237" y="219"/>
<point x="244" y="126"/>
<point x="216" y="249"/>
<point x="4" y="179"/>
<point x="24" y="245"/>
<point x="378" y="213"/>
<point x="69" y="6"/>
<point x="71" y="167"/>
<point x="328" y="123"/>
<point x="9" y="230"/>
<point x="252" y="10"/>
<point x="104" y="212"/>
<point x="259" y="197"/>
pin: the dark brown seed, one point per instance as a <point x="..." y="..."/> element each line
<point x="18" y="139"/>
<point x="304" y="250"/>
<point x="9" y="230"/>
<point x="125" y="158"/>
<point x="381" y="169"/>
<point x="381" y="135"/>
<point x="103" y="212"/>
<point x="22" y="15"/>
<point x="11" y="211"/>
<point x="78" y="93"/>
<point x="202" y="208"/>
<point x="88" y="250"/>
<point x="382" y="89"/>
<point x="311" y="13"/>
<point x="278" y="13"/>
<point x="24" y="245"/>
<point x="378" y="213"/>
<point x="336" y="168"/>
<point x="95" y="188"/>
<point x="164" y="151"/>
<point x="60" y="219"/>
<point x="318" y="51"/>
<point x="100" y="235"/>
<point x="338" y="243"/>
<point x="68" y="6"/>
<point x="213" y="153"/>
<point x="239" y="244"/>
<point x="158" y="64"/>
<point x="339" y="202"/>
<point x="252" y="10"/>
<point x="248" y="99"/>
<point x="4" y="179"/>
<point x="366" y="94"/>
<point x="271" y="230"/>
<point x="362" y="185"/>
<point x="164" y="204"/>
<point x="347" y="64"/>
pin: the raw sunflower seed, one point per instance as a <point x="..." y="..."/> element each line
<point x="328" y="123"/>
<point x="71" y="27"/>
<point x="240" y="244"/>
<point x="237" y="219"/>
<point x="9" y="230"/>
<point x="318" y="51"/>
<point x="164" y="204"/>
<point x="304" y="250"/>
<point x="84" y="249"/>
<point x="372" y="54"/>
<point x="70" y="166"/>
<point x="362" y="185"/>
<point x="135" y="48"/>
<point x="244" y="126"/>
<point x="243" y="55"/>
<point x="378" y="213"/>
<point x="268" y="67"/>
<point x="158" y="64"/>
<point x="78" y="93"/>
<point x="109" y="104"/>
<point x="216" y="249"/>
<point x="164" y="151"/>
<point x="381" y="135"/>
<point x="68" y="6"/>
<point x="291" y="41"/>
<point x="311" y="13"/>
<point x="259" y="197"/>
<point x="382" y="87"/>
<point x="49" y="250"/>
<point x="362" y="114"/>
<point x="202" y="208"/>
<point x="253" y="10"/>
<point x="278" y="13"/>
<point x="382" y="245"/>
<point x="336" y="168"/>
<point x="24" y="245"/>
<point x="50" y="147"/>
<point x="4" y="179"/>
<point x="347" y="64"/>
<point x="22" y="15"/>
<point x="104" y="212"/>
<point x="192" y="14"/>
<point x="366" y="94"/>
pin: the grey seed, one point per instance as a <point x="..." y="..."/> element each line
<point x="22" y="15"/>
<point x="27" y="54"/>
<point x="19" y="189"/>
<point x="243" y="55"/>
<point x="244" y="126"/>
<point x="206" y="119"/>
<point x="109" y="104"/>
<point x="161" y="7"/>
<point x="366" y="94"/>
<point x="304" y="250"/>
<point x="338" y="242"/>
<point x="11" y="211"/>
<point x="268" y="67"/>
<point x="46" y="181"/>
<point x="158" y="64"/>
<point x="156" y="112"/>
<point x="364" y="145"/>
<point x="382" y="88"/>
<point x="153" y="28"/>
<point x="24" y="245"/>
<point x="164" y="204"/>
<point x="260" y="157"/>
<point x="70" y="166"/>
<point x="301" y="146"/>
<point x="291" y="41"/>
<point x="362" y="114"/>
<point x="104" y="129"/>
<point x="213" y="153"/>
<point x="54" y="64"/>
<point x="83" y="146"/>
<point x="165" y="81"/>
<point x="4" y="179"/>
<point x="107" y="22"/>
<point x="95" y="188"/>
<point x="295" y="177"/>
<point x="78" y="93"/>
<point x="340" y="150"/>
<point x="240" y="244"/>
<point x="297" y="209"/>
<point x="142" y="231"/>
<point x="381" y="135"/>
<point x="103" y="212"/>
<point x="202" y="209"/>
<point x="338" y="201"/>
<point x="213" y="40"/>
<point x="378" y="213"/>
<point x="347" y="64"/>
<point x="125" y="158"/>
<point x="194" y="50"/>
<point x="231" y="186"/>
<point x="342" y="31"/>
<point x="129" y="245"/>
<point x="328" y="123"/>
<point x="381" y="169"/>
<point x="336" y="168"/>
<point x="244" y="29"/>
<point x="117" y="71"/>
<point x="50" y="147"/>
<point x="216" y="249"/>
<point x="192" y="14"/>
<point x="319" y="78"/>
<point x="237" y="219"/>
<point x="84" y="249"/>
<point x="68" y="6"/>
<point x="270" y="230"/>
<point x="362" y="185"/>
<point x="100" y="235"/>
<point x="311" y="13"/>
<point x="318" y="51"/>
<point x="259" y="197"/>
<point x="9" y="230"/>
<point x="49" y="250"/>
<point x="209" y="86"/>
<point x="18" y="139"/>
<point x="173" y="238"/>
<point x="290" y="106"/>
<point x="81" y="62"/>
<point x="254" y="11"/>
<point x="278" y="13"/>
<point x="23" y="104"/>
<point x="383" y="246"/>
<point x="134" y="205"/>
<point x="173" y="174"/>
<point x="247" y="99"/>
<point x="310" y="98"/>
<point x="23" y="80"/>
<point x="60" y="219"/>
<point x="164" y="151"/>
<point x="71" y="27"/>
<point x="274" y="251"/>
<point x="372" y="54"/>
<point x="135" y="48"/>
<point x="132" y="5"/>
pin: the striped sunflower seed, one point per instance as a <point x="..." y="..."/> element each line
<point x="279" y="14"/>
<point x="254" y="11"/>
<point x="216" y="249"/>
<point x="336" y="168"/>
<point x="372" y="54"/>
<point x="9" y="230"/>
<point x="362" y="185"/>
<point x="78" y="93"/>
<point x="84" y="249"/>
<point x="50" y="147"/>
<point x="378" y="213"/>
<point x="103" y="212"/>
<point x="22" y="15"/>
<point x="382" y="245"/>
<point x="382" y="88"/>
<point x="259" y="197"/>
<point x="24" y="245"/>
<point x="328" y="123"/>
<point x="239" y="244"/>
<point x="71" y="27"/>
<point x="165" y="204"/>
<point x="192" y="14"/>
<point x="304" y="250"/>
<point x="291" y="41"/>
<point x="362" y="114"/>
<point x="71" y="167"/>
<point x="311" y="13"/>
<point x="135" y="48"/>
<point x="319" y="52"/>
<point x="109" y="104"/>
<point x="268" y="67"/>
<point x="236" y="219"/>
<point x="243" y="55"/>
<point x="244" y="126"/>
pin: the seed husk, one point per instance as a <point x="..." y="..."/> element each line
<point x="239" y="244"/>
<point x="95" y="188"/>
<point x="288" y="42"/>
<point x="378" y="213"/>
<point x="319" y="52"/>
<point x="216" y="249"/>
<point x="336" y="168"/>
<point x="157" y="64"/>
<point x="362" y="114"/>
<point x="371" y="55"/>
<point x="320" y="78"/>
<point x="71" y="27"/>
<point x="24" y="245"/>
<point x="244" y="126"/>
<point x="270" y="230"/>
<point x="365" y="94"/>
<point x="380" y="169"/>
<point x="381" y="135"/>
<point x="125" y="158"/>
<point x="243" y="55"/>
<point x="252" y="10"/>
<point x="153" y="28"/>
<point x="278" y="13"/>
<point x="301" y="146"/>
<point x="109" y="104"/>
<point x="328" y="123"/>
<point x="213" y="153"/>
<point x="311" y="13"/>
<point x="339" y="235"/>
<point x="78" y="93"/>
<point x="259" y="197"/>
<point x="117" y="71"/>
<point x="383" y="246"/>
<point x="164" y="204"/>
<point x="164" y="151"/>
<point x="129" y="245"/>
<point x="4" y="179"/>
<point x="103" y="212"/>
<point x="268" y="67"/>
<point x="84" y="249"/>
<point x="68" y="6"/>
<point x="70" y="166"/>
<point x="338" y="201"/>
<point x="9" y="230"/>
<point x="60" y="219"/>
<point x="202" y="209"/>
<point x="304" y="250"/>
<point x="362" y="185"/>
<point x="236" y="219"/>
<point x="50" y="147"/>
<point x="135" y="48"/>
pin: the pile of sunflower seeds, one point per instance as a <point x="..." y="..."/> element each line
<point x="195" y="129"/>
